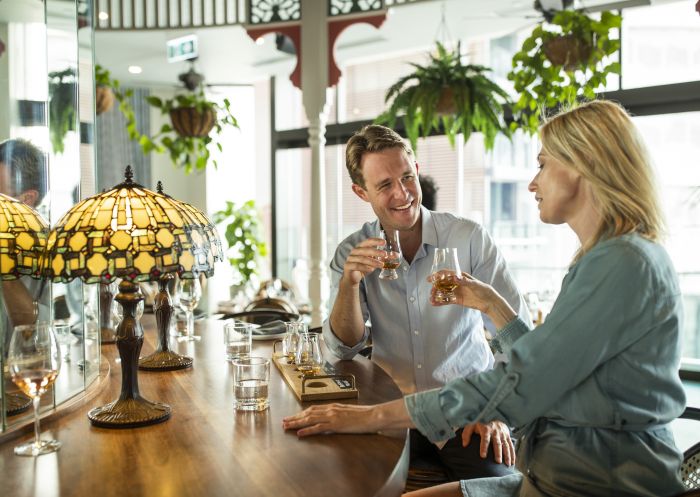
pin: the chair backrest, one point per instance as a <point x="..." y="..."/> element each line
<point x="262" y="316"/>
<point x="690" y="469"/>
<point x="272" y="304"/>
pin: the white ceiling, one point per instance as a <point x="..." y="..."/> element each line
<point x="229" y="56"/>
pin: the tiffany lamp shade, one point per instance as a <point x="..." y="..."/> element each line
<point x="138" y="235"/>
<point x="23" y="234"/>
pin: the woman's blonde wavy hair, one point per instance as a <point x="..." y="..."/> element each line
<point x="599" y="140"/>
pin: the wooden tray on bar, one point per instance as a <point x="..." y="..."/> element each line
<point x="327" y="386"/>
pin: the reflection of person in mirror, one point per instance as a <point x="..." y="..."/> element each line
<point x="420" y="346"/>
<point x="594" y="388"/>
<point x="22" y="176"/>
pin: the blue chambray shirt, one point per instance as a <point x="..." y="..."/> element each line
<point x="592" y="389"/>
<point x="421" y="346"/>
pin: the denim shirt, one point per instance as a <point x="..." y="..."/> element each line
<point x="421" y="346"/>
<point x="594" y="387"/>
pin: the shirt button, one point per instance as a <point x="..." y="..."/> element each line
<point x="416" y="332"/>
<point x="419" y="366"/>
<point x="405" y="268"/>
<point x="412" y="299"/>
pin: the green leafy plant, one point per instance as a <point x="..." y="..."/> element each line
<point x="244" y="237"/>
<point x="546" y="75"/>
<point x="62" y="108"/>
<point x="189" y="150"/>
<point x="103" y="78"/>
<point x="449" y="93"/>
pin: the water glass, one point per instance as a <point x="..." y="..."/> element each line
<point x="392" y="259"/>
<point x="251" y="376"/>
<point x="64" y="337"/>
<point x="238" y="337"/>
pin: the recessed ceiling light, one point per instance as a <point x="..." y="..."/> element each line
<point x="103" y="16"/>
<point x="260" y="40"/>
<point x="135" y="69"/>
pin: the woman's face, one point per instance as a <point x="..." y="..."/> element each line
<point x="558" y="190"/>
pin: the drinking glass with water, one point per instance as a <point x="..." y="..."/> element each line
<point x="251" y="376"/>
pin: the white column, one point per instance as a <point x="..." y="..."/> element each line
<point x="314" y="82"/>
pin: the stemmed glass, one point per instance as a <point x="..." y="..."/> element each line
<point x="34" y="360"/>
<point x="309" y="359"/>
<point x="189" y="291"/>
<point x="392" y="259"/>
<point x="445" y="273"/>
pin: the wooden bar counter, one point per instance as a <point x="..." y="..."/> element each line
<point x="207" y="449"/>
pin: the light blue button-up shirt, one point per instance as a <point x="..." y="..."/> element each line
<point x="421" y="346"/>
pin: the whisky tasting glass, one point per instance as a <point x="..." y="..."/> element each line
<point x="446" y="273"/>
<point x="309" y="359"/>
<point x="34" y="360"/>
<point x="291" y="339"/>
<point x="392" y="259"/>
<point x="189" y="291"/>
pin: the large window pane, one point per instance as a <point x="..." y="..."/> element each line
<point x="673" y="143"/>
<point x="660" y="45"/>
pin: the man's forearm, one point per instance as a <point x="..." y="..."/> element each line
<point x="346" y="318"/>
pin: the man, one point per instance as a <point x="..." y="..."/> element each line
<point x="419" y="345"/>
<point x="22" y="176"/>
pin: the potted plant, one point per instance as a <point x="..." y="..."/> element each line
<point x="244" y="238"/>
<point x="107" y="89"/>
<point x="446" y="91"/>
<point x="562" y="60"/>
<point x="62" y="108"/>
<point x="193" y="117"/>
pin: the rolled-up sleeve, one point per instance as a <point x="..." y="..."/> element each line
<point x="584" y="330"/>
<point x="334" y="344"/>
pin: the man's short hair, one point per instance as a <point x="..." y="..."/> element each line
<point x="371" y="138"/>
<point x="26" y="165"/>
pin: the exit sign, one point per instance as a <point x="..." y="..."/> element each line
<point x="183" y="48"/>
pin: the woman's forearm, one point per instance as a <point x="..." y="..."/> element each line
<point x="499" y="310"/>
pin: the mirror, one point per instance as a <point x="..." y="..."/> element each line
<point x="46" y="116"/>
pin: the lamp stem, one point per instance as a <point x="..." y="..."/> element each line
<point x="164" y="359"/>
<point x="130" y="410"/>
<point x="106" y="328"/>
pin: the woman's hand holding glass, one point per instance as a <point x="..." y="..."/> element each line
<point x="445" y="275"/>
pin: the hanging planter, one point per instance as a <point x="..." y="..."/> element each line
<point x="190" y="122"/>
<point x="565" y="59"/>
<point x="104" y="99"/>
<point x="447" y="95"/>
<point x="570" y="51"/>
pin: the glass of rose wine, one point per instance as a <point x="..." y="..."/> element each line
<point x="392" y="259"/>
<point x="446" y="273"/>
<point x="34" y="360"/>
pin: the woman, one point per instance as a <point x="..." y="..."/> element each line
<point x="592" y="389"/>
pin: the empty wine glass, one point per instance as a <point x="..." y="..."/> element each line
<point x="65" y="338"/>
<point x="34" y="360"/>
<point x="189" y="291"/>
<point x="392" y="259"/>
<point x="445" y="273"/>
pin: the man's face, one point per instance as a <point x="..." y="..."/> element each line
<point x="391" y="187"/>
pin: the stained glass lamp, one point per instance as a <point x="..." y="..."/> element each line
<point x="23" y="234"/>
<point x="135" y="234"/>
<point x="198" y="230"/>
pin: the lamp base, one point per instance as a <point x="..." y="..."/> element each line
<point x="129" y="413"/>
<point x="164" y="360"/>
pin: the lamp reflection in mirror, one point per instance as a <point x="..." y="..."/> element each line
<point x="23" y="235"/>
<point x="199" y="229"/>
<point x="135" y="234"/>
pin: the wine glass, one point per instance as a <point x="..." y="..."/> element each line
<point x="34" y="360"/>
<point x="189" y="291"/>
<point x="64" y="337"/>
<point x="445" y="273"/>
<point x="392" y="259"/>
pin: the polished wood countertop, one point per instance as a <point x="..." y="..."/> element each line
<point x="207" y="448"/>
